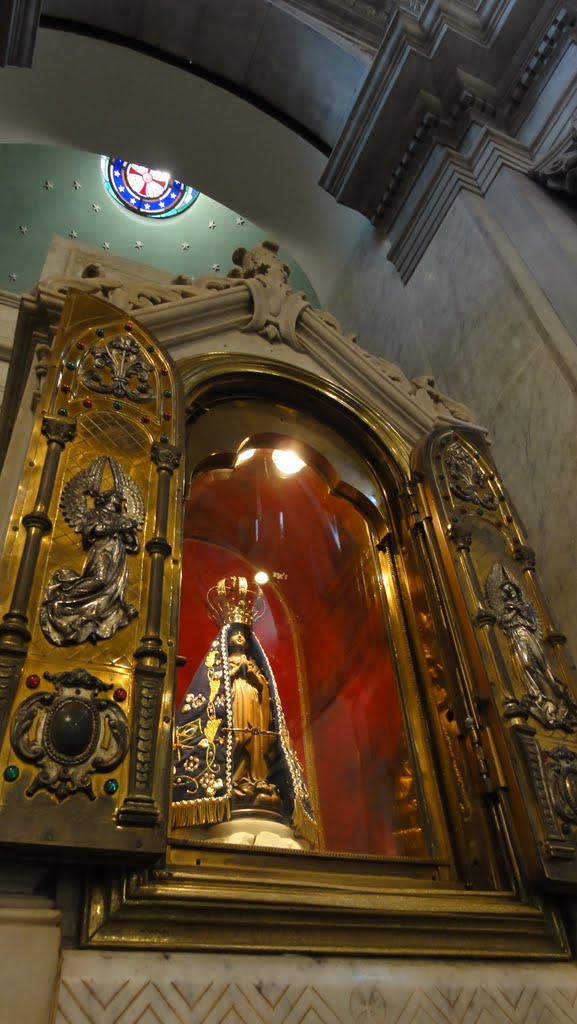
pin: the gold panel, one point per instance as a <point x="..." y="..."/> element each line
<point x="89" y="593"/>
<point x="519" y="712"/>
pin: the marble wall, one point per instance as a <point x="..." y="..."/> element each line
<point x="474" y="316"/>
<point x="126" y="988"/>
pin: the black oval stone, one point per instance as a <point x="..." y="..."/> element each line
<point x="71" y="728"/>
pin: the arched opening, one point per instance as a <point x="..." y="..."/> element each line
<point x="301" y="522"/>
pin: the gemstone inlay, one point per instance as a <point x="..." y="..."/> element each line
<point x="71" y="728"/>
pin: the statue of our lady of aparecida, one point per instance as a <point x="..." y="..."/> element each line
<point x="237" y="778"/>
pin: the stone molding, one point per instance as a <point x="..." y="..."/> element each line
<point x="37" y="917"/>
<point x="10" y="299"/>
<point x="439" y="73"/>
<point x="363" y="24"/>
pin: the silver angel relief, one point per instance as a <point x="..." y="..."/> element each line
<point x="90" y="605"/>
<point x="546" y="699"/>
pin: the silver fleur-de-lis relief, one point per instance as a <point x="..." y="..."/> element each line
<point x="120" y="368"/>
<point x="466" y="480"/>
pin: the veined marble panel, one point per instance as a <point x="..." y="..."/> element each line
<point x="535" y="445"/>
<point x="461" y="317"/>
<point x="180" y="988"/>
<point x="474" y="318"/>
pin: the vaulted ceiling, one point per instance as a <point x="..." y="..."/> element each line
<point x="301" y="60"/>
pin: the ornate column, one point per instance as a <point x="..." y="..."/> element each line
<point x="140" y="807"/>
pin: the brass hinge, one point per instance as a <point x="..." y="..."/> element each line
<point x="491" y="774"/>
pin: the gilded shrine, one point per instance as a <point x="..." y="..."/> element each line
<point x="272" y="639"/>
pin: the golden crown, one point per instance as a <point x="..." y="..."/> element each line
<point x="233" y="600"/>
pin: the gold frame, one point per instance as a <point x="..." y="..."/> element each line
<point x="215" y="899"/>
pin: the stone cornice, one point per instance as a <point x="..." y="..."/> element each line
<point x="412" y="407"/>
<point x="364" y="25"/>
<point x="254" y="303"/>
<point x="435" y="75"/>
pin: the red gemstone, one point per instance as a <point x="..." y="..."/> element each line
<point x="65" y="388"/>
<point x="88" y="403"/>
<point x="79" y="344"/>
<point x="167" y="415"/>
<point x="164" y="373"/>
<point x="145" y="419"/>
<point x="128" y="326"/>
<point x="33" y="682"/>
<point x="120" y="694"/>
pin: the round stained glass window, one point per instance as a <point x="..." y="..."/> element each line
<point x="144" y="190"/>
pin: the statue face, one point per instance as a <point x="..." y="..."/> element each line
<point x="510" y="592"/>
<point x="237" y="639"/>
<point x="111" y="501"/>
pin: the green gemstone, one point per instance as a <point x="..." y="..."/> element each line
<point x="63" y="412"/>
<point x="100" y="332"/>
<point x="565" y="827"/>
<point x="117" y="405"/>
<point x="164" y="438"/>
<point x="110" y="786"/>
<point x="11" y="773"/>
<point x="168" y="393"/>
<point x="70" y="365"/>
<point x="150" y="348"/>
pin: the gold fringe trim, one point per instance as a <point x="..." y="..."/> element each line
<point x="187" y="813"/>
<point x="304" y="824"/>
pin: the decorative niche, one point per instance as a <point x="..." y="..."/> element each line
<point x="356" y="732"/>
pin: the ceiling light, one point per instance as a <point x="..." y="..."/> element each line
<point x="244" y="455"/>
<point x="287" y="462"/>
